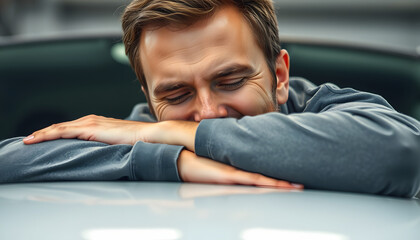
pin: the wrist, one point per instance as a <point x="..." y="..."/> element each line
<point x="178" y="133"/>
<point x="182" y="164"/>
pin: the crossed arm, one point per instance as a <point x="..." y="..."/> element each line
<point x="191" y="168"/>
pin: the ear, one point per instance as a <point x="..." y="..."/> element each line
<point x="282" y="74"/>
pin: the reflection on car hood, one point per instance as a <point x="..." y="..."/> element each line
<point x="145" y="210"/>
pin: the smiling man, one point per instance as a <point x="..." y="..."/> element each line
<point x="222" y="109"/>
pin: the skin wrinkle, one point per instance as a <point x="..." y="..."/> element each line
<point x="265" y="98"/>
<point x="184" y="52"/>
<point x="159" y="109"/>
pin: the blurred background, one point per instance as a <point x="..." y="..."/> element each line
<point x="63" y="59"/>
<point x="393" y="24"/>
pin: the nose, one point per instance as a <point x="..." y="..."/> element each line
<point x="209" y="107"/>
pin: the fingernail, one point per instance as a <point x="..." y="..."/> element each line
<point x="30" y="137"/>
<point x="295" y="185"/>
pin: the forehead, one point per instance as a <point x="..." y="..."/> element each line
<point x="220" y="26"/>
<point x="167" y="51"/>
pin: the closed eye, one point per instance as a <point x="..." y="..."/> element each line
<point x="232" y="85"/>
<point x="178" y="99"/>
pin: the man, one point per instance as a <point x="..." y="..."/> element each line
<point x="217" y="83"/>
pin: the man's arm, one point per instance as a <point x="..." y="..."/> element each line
<point x="348" y="151"/>
<point x="72" y="159"/>
<point x="344" y="140"/>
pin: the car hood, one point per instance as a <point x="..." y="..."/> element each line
<point x="161" y="210"/>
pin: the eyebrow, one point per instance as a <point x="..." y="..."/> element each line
<point x="168" y="87"/>
<point x="233" y="69"/>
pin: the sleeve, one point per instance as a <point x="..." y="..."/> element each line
<point x="343" y="140"/>
<point x="72" y="159"/>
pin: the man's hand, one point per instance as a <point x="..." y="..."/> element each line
<point x="96" y="128"/>
<point x="116" y="131"/>
<point x="193" y="168"/>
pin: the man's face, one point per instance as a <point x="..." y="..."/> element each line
<point x="211" y="69"/>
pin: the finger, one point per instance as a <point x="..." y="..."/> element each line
<point x="52" y="132"/>
<point x="246" y="178"/>
<point x="201" y="170"/>
<point x="70" y="129"/>
<point x="270" y="182"/>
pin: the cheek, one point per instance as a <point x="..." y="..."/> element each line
<point x="253" y="99"/>
<point x="168" y="112"/>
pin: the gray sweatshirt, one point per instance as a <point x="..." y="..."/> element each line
<point x="324" y="137"/>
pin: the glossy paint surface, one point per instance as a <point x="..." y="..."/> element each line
<point x="152" y="210"/>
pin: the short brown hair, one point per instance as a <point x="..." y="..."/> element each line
<point x="158" y="13"/>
